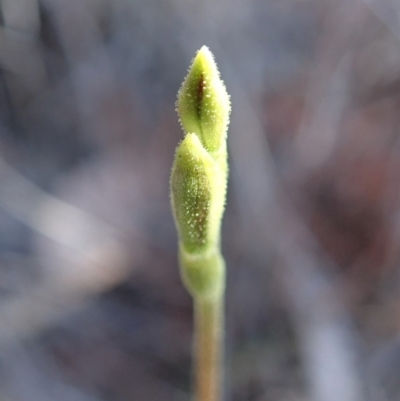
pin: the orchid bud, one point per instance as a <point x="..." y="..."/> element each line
<point x="203" y="103"/>
<point x="197" y="194"/>
<point x="199" y="176"/>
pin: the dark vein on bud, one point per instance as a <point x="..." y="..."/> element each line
<point x="200" y="93"/>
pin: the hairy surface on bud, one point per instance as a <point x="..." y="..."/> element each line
<point x="199" y="176"/>
<point x="203" y="103"/>
<point x="197" y="201"/>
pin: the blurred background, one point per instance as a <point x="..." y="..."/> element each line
<point x="91" y="303"/>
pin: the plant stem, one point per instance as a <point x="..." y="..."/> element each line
<point x="209" y="340"/>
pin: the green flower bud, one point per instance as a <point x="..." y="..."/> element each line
<point x="203" y="103"/>
<point x="199" y="176"/>
<point x="197" y="195"/>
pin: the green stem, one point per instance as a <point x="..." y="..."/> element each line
<point x="209" y="340"/>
